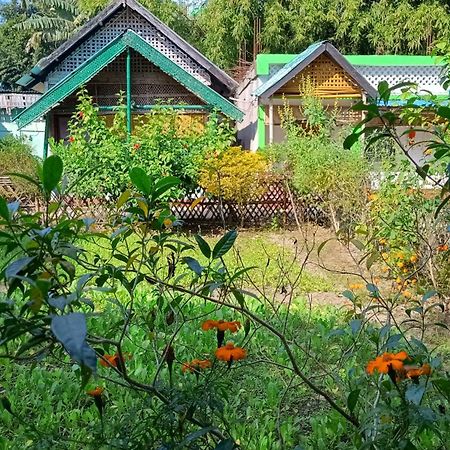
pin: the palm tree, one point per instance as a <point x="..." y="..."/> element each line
<point x="51" y="21"/>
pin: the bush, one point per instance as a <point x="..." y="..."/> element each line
<point x="100" y="156"/>
<point x="142" y="337"/>
<point x="235" y="175"/>
<point x="16" y="156"/>
<point x="314" y="163"/>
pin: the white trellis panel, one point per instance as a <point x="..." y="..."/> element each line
<point x="426" y="77"/>
<point x="122" y="22"/>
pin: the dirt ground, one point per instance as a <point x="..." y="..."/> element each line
<point x="334" y="262"/>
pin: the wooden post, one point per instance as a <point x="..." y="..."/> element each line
<point x="270" y="123"/>
<point x="128" y="70"/>
<point x="46" y="134"/>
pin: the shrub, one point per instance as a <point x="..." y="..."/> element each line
<point x="100" y="156"/>
<point x="315" y="164"/>
<point x="235" y="175"/>
<point x="16" y="156"/>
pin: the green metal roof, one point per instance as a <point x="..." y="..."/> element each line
<point x="265" y="60"/>
<point x="100" y="60"/>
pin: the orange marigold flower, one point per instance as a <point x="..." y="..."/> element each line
<point x="382" y="241"/>
<point x="97" y="392"/>
<point x="413" y="258"/>
<point x="400" y="264"/>
<point x="195" y="365"/>
<point x="221" y="325"/>
<point x="387" y="361"/>
<point x="373" y="197"/>
<point x="442" y="248"/>
<point x="230" y="353"/>
<point x="419" y="371"/>
<point x="209" y="325"/>
<point x="71" y="139"/>
<point x="137" y="146"/>
<point x="113" y="360"/>
<point x="406" y="294"/>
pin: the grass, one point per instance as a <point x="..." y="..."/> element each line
<point x="51" y="411"/>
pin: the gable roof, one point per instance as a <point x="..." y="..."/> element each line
<point x="45" y="65"/>
<point x="301" y="61"/>
<point x="101" y="59"/>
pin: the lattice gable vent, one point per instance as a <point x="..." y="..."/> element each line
<point x="426" y="77"/>
<point x="119" y="24"/>
<point x="327" y="78"/>
<point x="151" y="85"/>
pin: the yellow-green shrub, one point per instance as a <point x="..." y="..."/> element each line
<point x="235" y="174"/>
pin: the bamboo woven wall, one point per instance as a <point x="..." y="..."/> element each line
<point x="328" y="79"/>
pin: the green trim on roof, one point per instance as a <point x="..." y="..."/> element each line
<point x="265" y="60"/>
<point x="101" y="59"/>
<point x="391" y="60"/>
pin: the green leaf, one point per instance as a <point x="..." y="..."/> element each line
<point x="52" y="170"/>
<point x="124" y="196"/>
<point x="17" y="266"/>
<point x="443" y="386"/>
<point x="71" y="331"/>
<point x="428" y="295"/>
<point x="383" y="91"/>
<point x="352" y="399"/>
<point x="4" y="211"/>
<point x="164" y="185"/>
<point x="351" y="139"/>
<point x="443" y="111"/>
<point x="196" y="435"/>
<point x="224" y="245"/>
<point x="349" y="294"/>
<point x="414" y="393"/>
<point x="442" y="204"/>
<point x="141" y="180"/>
<point x="203" y="246"/>
<point x="372" y="259"/>
<point x="227" y="444"/>
<point x="193" y="264"/>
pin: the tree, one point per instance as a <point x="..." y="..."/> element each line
<point x="51" y="22"/>
<point x="354" y="26"/>
<point x="14" y="61"/>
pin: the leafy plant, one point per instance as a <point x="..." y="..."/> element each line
<point x="159" y="144"/>
<point x="16" y="156"/>
<point x="235" y="175"/>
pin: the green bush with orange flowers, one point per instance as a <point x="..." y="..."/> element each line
<point x="410" y="241"/>
<point x="141" y="337"/>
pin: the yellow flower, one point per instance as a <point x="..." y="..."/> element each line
<point x="355" y="286"/>
<point x="400" y="264"/>
<point x="413" y="259"/>
<point x="167" y="223"/>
